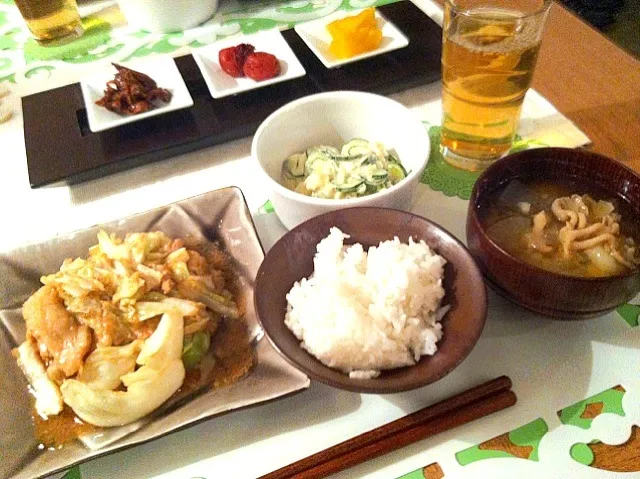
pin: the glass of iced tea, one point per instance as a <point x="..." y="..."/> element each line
<point x="489" y="52"/>
<point x="50" y="20"/>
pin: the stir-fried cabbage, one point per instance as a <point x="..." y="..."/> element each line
<point x="48" y="397"/>
<point x="104" y="367"/>
<point x="160" y="376"/>
<point x="150" y="309"/>
<point x="137" y="364"/>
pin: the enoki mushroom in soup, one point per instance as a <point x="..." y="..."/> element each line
<point x="548" y="226"/>
<point x="592" y="228"/>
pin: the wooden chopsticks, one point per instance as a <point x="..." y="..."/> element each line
<point x="462" y="408"/>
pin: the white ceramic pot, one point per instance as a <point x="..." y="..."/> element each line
<point x="165" y="16"/>
<point x="333" y="119"/>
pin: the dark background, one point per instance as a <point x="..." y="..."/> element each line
<point x="617" y="19"/>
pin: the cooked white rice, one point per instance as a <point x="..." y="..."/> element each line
<point x="362" y="312"/>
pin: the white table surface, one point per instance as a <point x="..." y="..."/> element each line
<point x="552" y="364"/>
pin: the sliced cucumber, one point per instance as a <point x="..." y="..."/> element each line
<point x="358" y="142"/>
<point x="380" y="175"/>
<point x="372" y="189"/>
<point x="393" y="156"/>
<point x="338" y="158"/>
<point x="357" y="146"/>
<point x="359" y="168"/>
<point x="295" y="165"/>
<point x="359" y="150"/>
<point x="352" y="185"/>
<point x="376" y="181"/>
<point x="325" y="150"/>
<point x="396" y="171"/>
<point x="370" y="160"/>
<point x="317" y="155"/>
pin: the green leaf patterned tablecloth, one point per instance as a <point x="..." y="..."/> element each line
<point x="612" y="406"/>
<point x="455" y="182"/>
<point x="107" y="37"/>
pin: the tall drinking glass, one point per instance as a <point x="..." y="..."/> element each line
<point x="50" y="20"/>
<point x="490" y="48"/>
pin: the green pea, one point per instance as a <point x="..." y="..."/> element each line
<point x="194" y="349"/>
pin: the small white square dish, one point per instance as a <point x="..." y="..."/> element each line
<point x="221" y="84"/>
<point x="161" y="69"/>
<point x="318" y="39"/>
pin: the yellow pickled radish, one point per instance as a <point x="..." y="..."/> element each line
<point x="355" y="35"/>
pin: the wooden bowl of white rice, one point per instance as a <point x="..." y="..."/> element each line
<point x="371" y="299"/>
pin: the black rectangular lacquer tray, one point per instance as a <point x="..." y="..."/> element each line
<point x="61" y="147"/>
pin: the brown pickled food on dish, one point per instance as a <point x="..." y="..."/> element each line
<point x="564" y="227"/>
<point x="132" y="92"/>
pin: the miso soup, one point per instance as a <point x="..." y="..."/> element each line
<point x="564" y="228"/>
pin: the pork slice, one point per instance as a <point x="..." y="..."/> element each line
<point x="62" y="341"/>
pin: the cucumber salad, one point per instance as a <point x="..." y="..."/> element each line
<point x="359" y="168"/>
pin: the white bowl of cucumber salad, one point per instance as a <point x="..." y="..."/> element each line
<point x="339" y="150"/>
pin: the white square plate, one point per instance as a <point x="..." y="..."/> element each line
<point x="318" y="39"/>
<point x="270" y="41"/>
<point x="161" y="68"/>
